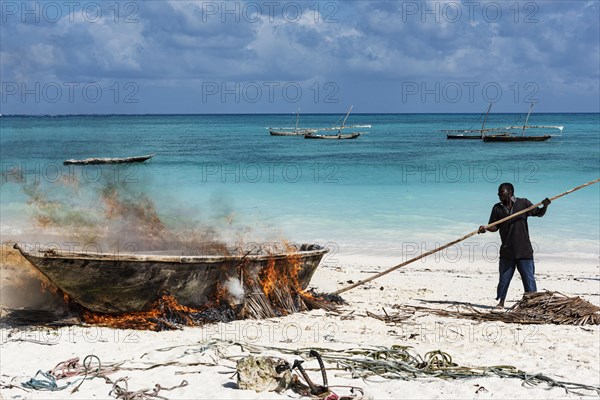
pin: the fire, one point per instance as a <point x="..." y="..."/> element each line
<point x="293" y="266"/>
<point x="269" y="277"/>
<point x="166" y="312"/>
<point x="280" y="283"/>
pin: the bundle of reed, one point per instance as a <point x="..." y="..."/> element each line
<point x="534" y="308"/>
<point x="556" y="308"/>
<point x="282" y="300"/>
<point x="256" y="303"/>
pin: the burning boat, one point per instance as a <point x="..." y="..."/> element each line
<point x="123" y="283"/>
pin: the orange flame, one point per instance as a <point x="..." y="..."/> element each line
<point x="150" y="320"/>
<point x="283" y="274"/>
<point x="268" y="277"/>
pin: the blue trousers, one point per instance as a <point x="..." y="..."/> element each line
<point x="526" y="269"/>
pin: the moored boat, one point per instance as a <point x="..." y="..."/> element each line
<point x="292" y="132"/>
<point x="90" y="161"/>
<point x="477" y="134"/>
<point x="462" y="135"/>
<point x="515" y="138"/>
<point x="469" y="133"/>
<point x="353" y="135"/>
<point x="339" y="129"/>
<point x="523" y="137"/>
<point x="122" y="283"/>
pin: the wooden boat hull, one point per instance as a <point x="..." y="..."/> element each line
<point x="332" y="137"/>
<point x="292" y="133"/>
<point x="492" y="138"/>
<point x="92" y="161"/>
<point x="479" y="137"/>
<point x="116" y="283"/>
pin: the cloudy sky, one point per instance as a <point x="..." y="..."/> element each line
<point x="72" y="57"/>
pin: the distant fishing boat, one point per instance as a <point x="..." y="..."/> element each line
<point x="515" y="138"/>
<point x="123" y="283"/>
<point x="339" y="129"/>
<point x="522" y="137"/>
<point x="473" y="133"/>
<point x="89" y="161"/>
<point x="334" y="137"/>
<point x="291" y="131"/>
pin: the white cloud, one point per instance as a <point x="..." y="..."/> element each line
<point x="179" y="43"/>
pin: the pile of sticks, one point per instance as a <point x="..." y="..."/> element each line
<point x="283" y="300"/>
<point x="534" y="308"/>
<point x="556" y="308"/>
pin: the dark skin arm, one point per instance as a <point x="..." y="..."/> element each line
<point x="482" y="229"/>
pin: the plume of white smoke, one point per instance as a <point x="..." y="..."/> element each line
<point x="236" y="290"/>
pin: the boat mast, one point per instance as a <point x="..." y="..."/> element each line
<point x="297" y="117"/>
<point x="344" y="121"/>
<point x="485" y="118"/>
<point x="527" y="119"/>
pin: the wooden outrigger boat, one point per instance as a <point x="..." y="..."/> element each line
<point x="474" y="133"/>
<point x="89" y="161"/>
<point x="464" y="135"/>
<point x="299" y="132"/>
<point x="339" y="129"/>
<point x="334" y="137"/>
<point x="522" y="137"/>
<point x="515" y="138"/>
<point x="294" y="131"/>
<point x="122" y="283"/>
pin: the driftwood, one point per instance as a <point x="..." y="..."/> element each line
<point x="392" y="318"/>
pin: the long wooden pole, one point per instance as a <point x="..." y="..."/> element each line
<point x="387" y="271"/>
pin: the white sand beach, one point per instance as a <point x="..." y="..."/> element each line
<point x="564" y="353"/>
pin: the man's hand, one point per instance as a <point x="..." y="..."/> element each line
<point x="546" y="202"/>
<point x="481" y="229"/>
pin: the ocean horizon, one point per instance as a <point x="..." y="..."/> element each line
<point x="283" y="113"/>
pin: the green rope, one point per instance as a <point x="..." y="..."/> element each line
<point x="47" y="382"/>
<point x="400" y="362"/>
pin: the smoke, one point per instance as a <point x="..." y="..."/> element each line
<point x="236" y="290"/>
<point x="109" y="216"/>
<point x="115" y="216"/>
<point x="23" y="286"/>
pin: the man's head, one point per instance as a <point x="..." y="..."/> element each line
<point x="506" y="191"/>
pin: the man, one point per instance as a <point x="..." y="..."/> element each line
<point x="516" y="251"/>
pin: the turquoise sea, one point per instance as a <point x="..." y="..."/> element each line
<point x="398" y="189"/>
